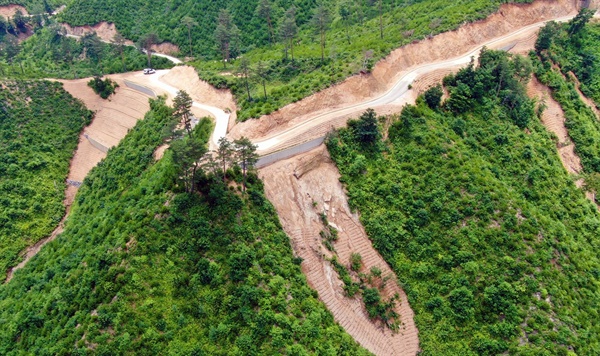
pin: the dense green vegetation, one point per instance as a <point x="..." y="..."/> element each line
<point x="562" y="50"/>
<point x="575" y="47"/>
<point x="50" y="54"/>
<point x="145" y="268"/>
<point x="353" y="43"/>
<point x="39" y="129"/>
<point x="138" y="17"/>
<point x="103" y="87"/>
<point x="469" y="203"/>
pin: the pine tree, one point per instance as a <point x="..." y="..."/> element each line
<point x="189" y="23"/>
<point x="246" y="156"/>
<point x="320" y="21"/>
<point x="226" y="35"/>
<point x="182" y="105"/>
<point x="288" y="30"/>
<point x="265" y="9"/>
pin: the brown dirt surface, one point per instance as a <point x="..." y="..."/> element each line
<point x="553" y="118"/>
<point x="159" y="152"/>
<point x="358" y="88"/>
<point x="166" y="48"/>
<point x="113" y="119"/>
<point x="431" y="79"/>
<point x="525" y="45"/>
<point x="8" y="11"/>
<point x="293" y="186"/>
<point x="186" y="78"/>
<point x="105" y="30"/>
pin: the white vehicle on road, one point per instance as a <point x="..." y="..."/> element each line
<point x="149" y="71"/>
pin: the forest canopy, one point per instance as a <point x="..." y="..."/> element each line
<point x="492" y="241"/>
<point x="39" y="130"/>
<point x="144" y="266"/>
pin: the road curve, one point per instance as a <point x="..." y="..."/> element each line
<point x="154" y="81"/>
<point x="399" y="90"/>
<point x="398" y="93"/>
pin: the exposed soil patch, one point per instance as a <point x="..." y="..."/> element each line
<point x="115" y="116"/>
<point x="113" y="119"/>
<point x="10" y="10"/>
<point x="186" y="78"/>
<point x="358" y="88"/>
<point x="420" y="85"/>
<point x="159" y="152"/>
<point x="553" y="118"/>
<point x="105" y="30"/>
<point x="166" y="48"/>
<point x="301" y="188"/>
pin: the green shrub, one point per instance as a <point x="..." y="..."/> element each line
<point x="105" y="88"/>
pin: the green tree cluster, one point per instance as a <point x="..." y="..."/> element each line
<point x="103" y="87"/>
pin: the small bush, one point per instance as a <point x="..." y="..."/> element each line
<point x="105" y="88"/>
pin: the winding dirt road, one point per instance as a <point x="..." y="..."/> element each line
<point x="293" y="186"/>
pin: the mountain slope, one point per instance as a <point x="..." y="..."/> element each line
<point x="142" y="268"/>
<point x="39" y="129"/>
<point x="494" y="245"/>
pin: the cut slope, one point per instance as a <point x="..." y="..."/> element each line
<point x="114" y="118"/>
<point x="553" y="118"/>
<point x="302" y="187"/>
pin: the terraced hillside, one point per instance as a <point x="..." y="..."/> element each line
<point x="566" y="62"/>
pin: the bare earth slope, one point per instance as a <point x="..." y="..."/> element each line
<point x="114" y="117"/>
<point x="294" y="186"/>
<point x="553" y="119"/>
<point x="8" y="11"/>
<point x="186" y="78"/>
